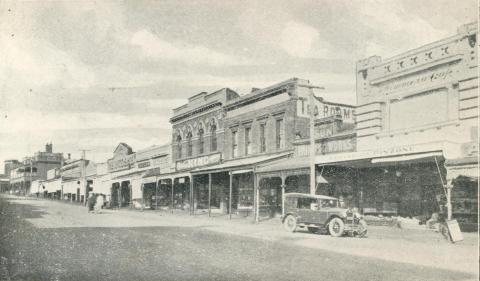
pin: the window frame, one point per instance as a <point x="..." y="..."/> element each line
<point x="262" y="138"/>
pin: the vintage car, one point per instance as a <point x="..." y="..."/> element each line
<point x="318" y="212"/>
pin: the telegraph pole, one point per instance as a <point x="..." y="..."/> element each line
<point x="84" y="175"/>
<point x="313" y="112"/>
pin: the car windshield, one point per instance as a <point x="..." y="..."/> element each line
<point x="329" y="203"/>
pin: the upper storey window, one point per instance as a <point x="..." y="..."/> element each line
<point x="179" y="146"/>
<point x="213" y="137"/>
<point x="200" y="141"/>
<point x="189" y="144"/>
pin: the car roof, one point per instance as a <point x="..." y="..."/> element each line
<point x="306" y="195"/>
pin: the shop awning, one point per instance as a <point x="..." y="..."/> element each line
<point x="240" y="164"/>
<point x="466" y="167"/>
<point x="293" y="163"/>
<point x="411" y="157"/>
<point x="385" y="155"/>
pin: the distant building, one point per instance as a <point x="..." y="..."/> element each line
<point x="34" y="168"/>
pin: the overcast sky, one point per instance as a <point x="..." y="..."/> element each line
<point x="88" y="75"/>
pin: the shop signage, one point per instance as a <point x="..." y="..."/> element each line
<point x="327" y="110"/>
<point x="323" y="110"/>
<point x="143" y="164"/>
<point x="198" y="162"/>
<point x="44" y="157"/>
<point x="430" y="77"/>
<point x="161" y="161"/>
<point x="384" y="152"/>
<point x="121" y="162"/>
<point x="339" y="145"/>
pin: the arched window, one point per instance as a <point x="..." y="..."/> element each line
<point x="189" y="144"/>
<point x="213" y="137"/>
<point x="179" y="147"/>
<point x="200" y="141"/>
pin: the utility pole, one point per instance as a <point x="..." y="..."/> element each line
<point x="31" y="168"/>
<point x="83" y="175"/>
<point x="313" y="112"/>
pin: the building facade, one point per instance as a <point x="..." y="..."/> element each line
<point x="125" y="175"/>
<point x="34" y="168"/>
<point x="260" y="128"/>
<point x="417" y="123"/>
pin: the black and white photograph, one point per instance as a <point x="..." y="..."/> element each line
<point x="239" y="140"/>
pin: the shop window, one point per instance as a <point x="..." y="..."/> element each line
<point x="248" y="140"/>
<point x="234" y="143"/>
<point x="263" y="146"/>
<point x="213" y="139"/>
<point x="200" y="141"/>
<point x="305" y="203"/>
<point x="179" y="147"/>
<point x="189" y="144"/>
<point x="279" y="133"/>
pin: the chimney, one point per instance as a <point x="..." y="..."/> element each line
<point x="69" y="156"/>
<point x="49" y="148"/>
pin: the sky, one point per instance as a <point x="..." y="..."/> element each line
<point x="91" y="74"/>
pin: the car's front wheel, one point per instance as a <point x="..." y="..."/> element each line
<point x="362" y="228"/>
<point x="336" y="227"/>
<point x="290" y="223"/>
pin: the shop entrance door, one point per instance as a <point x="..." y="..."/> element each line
<point x="271" y="196"/>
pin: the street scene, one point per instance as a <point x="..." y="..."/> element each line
<point x="245" y="140"/>
<point x="44" y="240"/>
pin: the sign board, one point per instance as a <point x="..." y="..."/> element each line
<point x="336" y="145"/>
<point x="198" y="162"/>
<point x="326" y="109"/>
<point x="143" y="164"/>
<point x="454" y="230"/>
<point x="382" y="152"/>
<point x="121" y="163"/>
<point x="429" y="77"/>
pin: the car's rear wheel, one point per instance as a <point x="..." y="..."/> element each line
<point x="336" y="227"/>
<point x="290" y="223"/>
<point x="312" y="229"/>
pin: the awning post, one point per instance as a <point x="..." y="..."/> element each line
<point x="256" y="196"/>
<point x="192" y="197"/>
<point x="156" y="194"/>
<point x="230" y="196"/>
<point x="209" y="194"/>
<point x="143" y="196"/>
<point x="173" y="185"/>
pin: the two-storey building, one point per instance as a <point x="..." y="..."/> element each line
<point x="34" y="168"/>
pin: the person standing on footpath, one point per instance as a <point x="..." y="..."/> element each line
<point x="91" y="202"/>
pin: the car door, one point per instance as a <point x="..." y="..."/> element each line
<point x="305" y="213"/>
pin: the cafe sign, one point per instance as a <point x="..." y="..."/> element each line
<point x="198" y="161"/>
<point x="430" y="77"/>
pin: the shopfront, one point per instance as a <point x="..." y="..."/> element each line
<point x="167" y="191"/>
<point x="407" y="181"/>
<point x="230" y="188"/>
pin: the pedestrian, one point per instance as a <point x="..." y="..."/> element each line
<point x="91" y="202"/>
<point x="99" y="203"/>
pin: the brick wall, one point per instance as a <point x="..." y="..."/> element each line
<point x="268" y="116"/>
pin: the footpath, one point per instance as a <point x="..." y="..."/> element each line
<point x="413" y="246"/>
